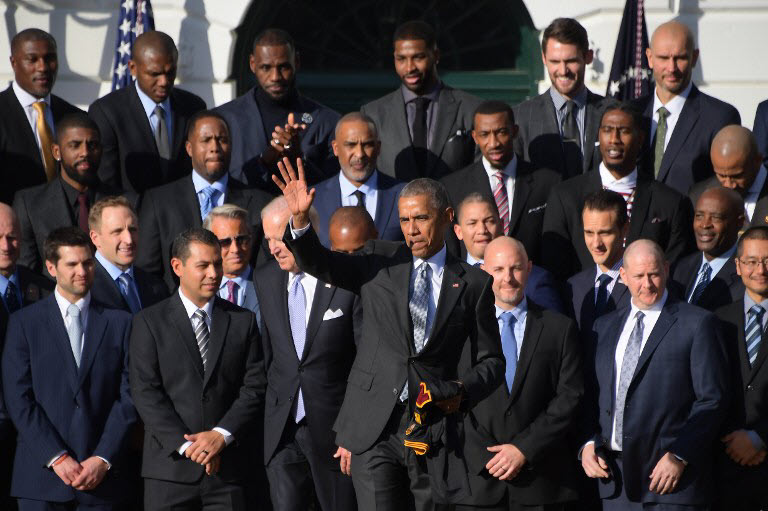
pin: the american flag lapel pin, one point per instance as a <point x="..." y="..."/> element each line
<point x="455" y="284"/>
<point x="328" y="285"/>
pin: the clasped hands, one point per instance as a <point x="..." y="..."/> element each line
<point x="205" y="449"/>
<point x="81" y="476"/>
<point x="285" y="141"/>
<point x="506" y="463"/>
<point x="740" y="448"/>
<point x="664" y="478"/>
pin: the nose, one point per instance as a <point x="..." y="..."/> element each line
<point x="412" y="229"/>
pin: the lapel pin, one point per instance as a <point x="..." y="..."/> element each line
<point x="455" y="284"/>
<point x="328" y="285"/>
<point x="306" y="118"/>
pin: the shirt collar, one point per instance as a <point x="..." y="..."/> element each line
<point x="759" y="181"/>
<point x="472" y="261"/>
<point x="111" y="268"/>
<point x="559" y="100"/>
<point x="149" y="104"/>
<point x="519" y="311"/>
<point x="409" y="95"/>
<point x="347" y="188"/>
<point x="749" y="303"/>
<point x="191" y="308"/>
<point x="25" y="98"/>
<point x="201" y="184"/>
<point x="240" y="280"/>
<point x="437" y="262"/>
<point x="613" y="272"/>
<point x="674" y="105"/>
<point x="63" y="303"/>
<point x="628" y="181"/>
<point x="4" y="281"/>
<point x="718" y="262"/>
<point x="654" y="309"/>
<point x="510" y="170"/>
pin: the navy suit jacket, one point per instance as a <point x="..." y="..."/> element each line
<point x="725" y="287"/>
<point x="760" y="128"/>
<point x="676" y="400"/>
<point x="543" y="288"/>
<point x="387" y="221"/>
<point x="151" y="288"/>
<point x="580" y="297"/>
<point x="56" y="406"/>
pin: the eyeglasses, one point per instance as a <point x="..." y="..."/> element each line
<point x="751" y="264"/>
<point x="242" y="240"/>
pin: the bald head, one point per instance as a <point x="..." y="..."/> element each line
<point x="10" y="240"/>
<point x="507" y="262"/>
<point x="153" y="64"/>
<point x="350" y="228"/>
<point x="644" y="271"/>
<point x="154" y="41"/>
<point x="672" y="56"/>
<point x="673" y="30"/>
<point x="735" y="158"/>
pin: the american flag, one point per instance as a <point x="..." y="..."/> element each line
<point x="630" y="73"/>
<point x="135" y="19"/>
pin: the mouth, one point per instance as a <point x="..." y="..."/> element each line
<point x="705" y="237"/>
<point x="614" y="153"/>
<point x="412" y="79"/>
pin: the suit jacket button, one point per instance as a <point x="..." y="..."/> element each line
<point x="509" y="412"/>
<point x="394" y="391"/>
<point x="749" y="387"/>
<point x="290" y="398"/>
<point x="301" y="369"/>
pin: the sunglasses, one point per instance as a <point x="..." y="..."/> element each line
<point x="242" y="240"/>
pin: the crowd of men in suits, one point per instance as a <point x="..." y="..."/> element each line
<point x="436" y="302"/>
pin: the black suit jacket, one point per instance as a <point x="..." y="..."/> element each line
<point x="532" y="187"/>
<point x="386" y="358"/>
<point x="686" y="158"/>
<point x="130" y="160"/>
<point x="322" y="370"/>
<point x="580" y="298"/>
<point x="536" y="415"/>
<point x="760" y="128"/>
<point x="723" y="288"/>
<point x="712" y="182"/>
<point x="21" y="165"/>
<point x="169" y="209"/>
<point x="174" y="396"/>
<point x="539" y="140"/>
<point x="658" y="213"/>
<point x="151" y="288"/>
<point x="452" y="146"/>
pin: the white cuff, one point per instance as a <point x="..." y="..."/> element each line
<point x="582" y="448"/>
<point x="109" y="465"/>
<point x="53" y="460"/>
<point x="296" y="233"/>
<point x="228" y="438"/>
<point x="184" y="447"/>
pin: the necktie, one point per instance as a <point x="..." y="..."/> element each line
<point x="82" y="211"/>
<point x="509" y="346"/>
<point x="418" y="306"/>
<point x="46" y="139"/>
<point x="128" y="290"/>
<point x="601" y="298"/>
<point x="661" y="136"/>
<point x="12" y="297"/>
<point x="232" y="291"/>
<point x="704" y="277"/>
<point x="477" y="264"/>
<point x="360" y="196"/>
<point x="419" y="131"/>
<point x="202" y="336"/>
<point x="572" y="139"/>
<point x="297" y="311"/>
<point x="210" y="195"/>
<point x="754" y="332"/>
<point x="502" y="201"/>
<point x="75" y="332"/>
<point x="628" y="365"/>
<point x="161" y="134"/>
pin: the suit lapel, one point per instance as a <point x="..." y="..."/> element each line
<point x="385" y="202"/>
<point x="448" y="107"/>
<point x="617" y="293"/>
<point x="189" y="206"/>
<point x="139" y="118"/>
<point x="522" y="190"/>
<point x="450" y="291"/>
<point x="219" y="327"/>
<point x="663" y="324"/>
<point x="591" y="125"/>
<point x="22" y="123"/>
<point x="533" y="328"/>
<point x="744" y="366"/>
<point x="401" y="282"/>
<point x="185" y="334"/>
<point x="59" y="332"/>
<point x="110" y="286"/>
<point x="684" y="127"/>
<point x="640" y="205"/>
<point x="178" y="126"/>
<point x="323" y="296"/>
<point x="94" y="335"/>
<point x="235" y="195"/>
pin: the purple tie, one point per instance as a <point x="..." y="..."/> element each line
<point x="232" y="291"/>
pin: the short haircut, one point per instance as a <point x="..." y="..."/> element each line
<point x="494" y="106"/>
<point x="204" y="114"/>
<point x="359" y="117"/>
<point x="566" y="31"/>
<point x="75" y="120"/>
<point x="434" y="190"/>
<point x="757" y="232"/>
<point x="607" y="200"/>
<point x="474" y="198"/>
<point x="180" y="247"/>
<point x="280" y="205"/>
<point x="64" y="237"/>
<point x="274" y="37"/>
<point x="226" y="211"/>
<point x="352" y="216"/>
<point x="638" y="122"/>
<point x="154" y="41"/>
<point x="31" y="34"/>
<point x="416" y="30"/>
<point x="113" y="201"/>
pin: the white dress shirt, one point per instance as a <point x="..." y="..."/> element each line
<point x="149" y="110"/>
<point x="26" y="100"/>
<point x="716" y="264"/>
<point x="753" y="194"/>
<point x="369" y="188"/>
<point x="436" y="266"/>
<point x="309" y="283"/>
<point x="510" y="174"/>
<point x="674" y="106"/>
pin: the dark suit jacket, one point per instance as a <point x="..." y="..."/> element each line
<point x="169" y="209"/>
<point x="21" y="165"/>
<point x="387" y="221"/>
<point x="532" y="187"/>
<point x="175" y="397"/>
<point x="539" y="140"/>
<point x="712" y="182"/>
<point x="675" y="403"/>
<point x="760" y="215"/>
<point x="760" y="128"/>
<point x="686" y="159"/>
<point x="386" y="358"/>
<point x="151" y="288"/>
<point x="658" y="213"/>
<point x="724" y="288"/>
<point x="536" y="416"/>
<point x="580" y="297"/>
<point x="130" y="160"/>
<point x="42" y="209"/>
<point x="452" y="145"/>
<point x="56" y="406"/>
<point x="544" y="289"/>
<point x="322" y="370"/>
<point x="249" y="140"/>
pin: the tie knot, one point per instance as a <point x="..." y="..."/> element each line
<point x="421" y="102"/>
<point x="209" y="192"/>
<point x="757" y="310"/>
<point x="39" y="106"/>
<point x="639" y="316"/>
<point x="200" y="315"/>
<point x="125" y="279"/>
<point x="604" y="279"/>
<point x="705" y="268"/>
<point x="231" y="285"/>
<point x="159" y="111"/>
<point x="423" y="267"/>
<point x="663" y="113"/>
<point x="82" y="198"/>
<point x="570" y="106"/>
<point x="508" y="318"/>
<point x="499" y="175"/>
<point x="360" y="196"/>
<point x="73" y="310"/>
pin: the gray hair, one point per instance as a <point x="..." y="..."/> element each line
<point x="359" y="117"/>
<point x="434" y="190"/>
<point x="280" y="205"/>
<point x="226" y="211"/>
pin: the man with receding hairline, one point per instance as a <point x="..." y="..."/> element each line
<point x="143" y="126"/>
<point x="350" y="228"/>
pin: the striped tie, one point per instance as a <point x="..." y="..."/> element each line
<point x="705" y="275"/>
<point x="502" y="201"/>
<point x="202" y="335"/>
<point x="754" y="332"/>
<point x="418" y="306"/>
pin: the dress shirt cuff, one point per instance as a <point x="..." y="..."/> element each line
<point x="53" y="460"/>
<point x="228" y="438"/>
<point x="756" y="440"/>
<point x="681" y="460"/>
<point x="184" y="447"/>
<point x="109" y="465"/>
<point x="296" y="233"/>
<point x="582" y="448"/>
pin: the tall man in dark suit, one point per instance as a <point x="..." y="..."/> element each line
<point x="681" y="121"/>
<point x="741" y="470"/>
<point x="424" y="125"/>
<point x="516" y="187"/>
<point x="517" y="445"/>
<point x="657" y="391"/>
<point x="197" y="378"/>
<point x="655" y="211"/>
<point x="143" y="126"/>
<point x="309" y="345"/>
<point x="169" y="209"/>
<point x="558" y="129"/>
<point x="66" y="200"/>
<point x="65" y="382"/>
<point x="708" y="277"/>
<point x="29" y="114"/>
<point x="421" y="309"/>
<point x="274" y="120"/>
<point x="357" y="146"/>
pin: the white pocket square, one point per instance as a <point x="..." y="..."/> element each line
<point x="331" y="314"/>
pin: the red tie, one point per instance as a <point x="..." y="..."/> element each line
<point x="82" y="214"/>
<point x="502" y="201"/>
<point x="231" y="290"/>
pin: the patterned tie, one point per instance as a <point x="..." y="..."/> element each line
<point x="211" y="194"/>
<point x="572" y="139"/>
<point x="75" y="332"/>
<point x="161" y="134"/>
<point x="46" y="139"/>
<point x="502" y="201"/>
<point x="754" y="332"/>
<point x="202" y="336"/>
<point x="418" y="306"/>
<point x="628" y="365"/>
<point x="704" y="277"/>
<point x="509" y="346"/>
<point x="360" y="198"/>
<point x="12" y="297"/>
<point x="128" y="290"/>
<point x="661" y="136"/>
<point x="297" y="312"/>
<point x="601" y="297"/>
<point x="232" y="291"/>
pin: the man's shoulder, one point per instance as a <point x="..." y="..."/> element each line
<point x="382" y="104"/>
<point x="543" y="176"/>
<point x="577" y="185"/>
<point x="112" y="315"/>
<point x="148" y="278"/>
<point x="330" y="184"/>
<point x="730" y="312"/>
<point x="186" y="102"/>
<point x="534" y="103"/>
<point x="553" y="322"/>
<point x="34" y="193"/>
<point x="165" y="191"/>
<point x="583" y="279"/>
<point x="460" y="176"/>
<point x="266" y="272"/>
<point x="28" y="278"/>
<point x="711" y="105"/>
<point x="661" y="193"/>
<point x="241" y="106"/>
<point x="386" y="182"/>
<point x="319" y="112"/>
<point x="114" y="100"/>
<point x="467" y="99"/>
<point x="61" y="106"/>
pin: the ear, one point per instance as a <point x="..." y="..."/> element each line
<point x="252" y="63"/>
<point x="335" y="147"/>
<point x="176" y="266"/>
<point x="589" y="56"/>
<point x="94" y="238"/>
<point x="56" y="151"/>
<point x="474" y="137"/>
<point x="449" y="212"/>
<point x="296" y="62"/>
<point x="649" y="56"/>
<point x="51" y="268"/>
<point x="132" y="68"/>
<point x="188" y="147"/>
<point x="457" y="232"/>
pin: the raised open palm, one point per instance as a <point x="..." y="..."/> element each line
<point x="294" y="188"/>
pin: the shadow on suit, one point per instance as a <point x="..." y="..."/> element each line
<point x="580" y="298"/>
<point x="725" y="287"/>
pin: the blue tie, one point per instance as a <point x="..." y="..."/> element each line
<point x="209" y="201"/>
<point x="297" y="311"/>
<point x="705" y="274"/>
<point x="601" y="297"/>
<point x="509" y="346"/>
<point x="128" y="290"/>
<point x="754" y="332"/>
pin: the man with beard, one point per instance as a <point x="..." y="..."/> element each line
<point x="273" y="119"/>
<point x="66" y="200"/>
<point x="357" y="147"/>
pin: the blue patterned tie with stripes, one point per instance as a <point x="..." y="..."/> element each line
<point x="754" y="332"/>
